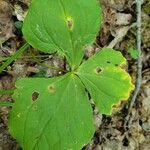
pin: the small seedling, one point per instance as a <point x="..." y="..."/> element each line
<point x="55" y="113"/>
<point x="133" y="52"/>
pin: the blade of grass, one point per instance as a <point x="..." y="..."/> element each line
<point x="18" y="53"/>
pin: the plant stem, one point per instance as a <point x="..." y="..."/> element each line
<point x="40" y="56"/>
<point x="44" y="65"/>
<point x="9" y="92"/>
<point x="4" y="58"/>
<point x="13" y="57"/>
<point x="6" y="104"/>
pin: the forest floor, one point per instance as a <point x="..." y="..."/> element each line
<point x="118" y="31"/>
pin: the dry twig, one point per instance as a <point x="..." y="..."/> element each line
<point x="139" y="66"/>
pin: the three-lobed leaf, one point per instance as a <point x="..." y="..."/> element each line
<point x="55" y="113"/>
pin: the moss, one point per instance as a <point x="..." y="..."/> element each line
<point x="146" y="7"/>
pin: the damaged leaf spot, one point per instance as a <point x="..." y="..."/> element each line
<point x="98" y="70"/>
<point x="35" y="108"/>
<point x="51" y="89"/>
<point x="35" y="96"/>
<point x="70" y="23"/>
<point x="108" y="62"/>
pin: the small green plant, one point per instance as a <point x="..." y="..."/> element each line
<point x="133" y="53"/>
<point x="55" y="113"/>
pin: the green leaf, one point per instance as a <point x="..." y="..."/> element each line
<point x="51" y="114"/>
<point x="105" y="80"/>
<point x="133" y="53"/>
<point x="63" y="25"/>
<point x="55" y="113"/>
<point x="18" y="24"/>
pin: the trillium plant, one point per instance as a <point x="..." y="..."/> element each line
<point x="55" y="113"/>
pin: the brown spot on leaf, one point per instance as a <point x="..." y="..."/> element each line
<point x="35" y="96"/>
<point x="70" y="23"/>
<point x="98" y="70"/>
<point x="51" y="89"/>
<point x="108" y="62"/>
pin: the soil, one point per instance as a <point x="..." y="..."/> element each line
<point x="119" y="15"/>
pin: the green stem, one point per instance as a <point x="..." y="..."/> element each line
<point x="8" y="92"/>
<point x="6" y="104"/>
<point x="40" y="56"/>
<point x="4" y="58"/>
<point x="13" y="57"/>
<point x="44" y="65"/>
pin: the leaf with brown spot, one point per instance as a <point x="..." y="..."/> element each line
<point x="110" y="83"/>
